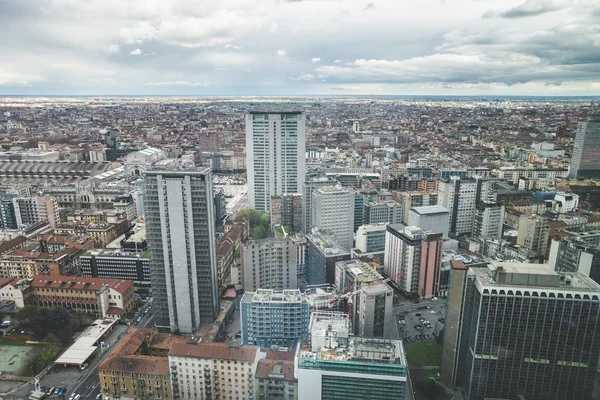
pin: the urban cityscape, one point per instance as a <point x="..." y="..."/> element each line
<point x="213" y="202"/>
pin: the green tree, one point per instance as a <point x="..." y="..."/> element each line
<point x="265" y="220"/>
<point x="258" y="232"/>
<point x="27" y="313"/>
<point x="236" y="254"/>
<point x="252" y="215"/>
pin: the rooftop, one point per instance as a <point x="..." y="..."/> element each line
<point x="359" y="349"/>
<point x="428" y="210"/>
<point x="219" y="351"/>
<point x="79" y="282"/>
<point x="269" y="295"/>
<point x="86" y="344"/>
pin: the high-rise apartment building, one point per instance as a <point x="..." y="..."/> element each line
<point x="459" y="196"/>
<point x="370" y="241"/>
<point x="489" y="220"/>
<point x="533" y="234"/>
<point x="338" y="366"/>
<point x="323" y="251"/>
<point x="275" y="147"/>
<point x="433" y="218"/>
<point x="579" y="253"/>
<point x="333" y="212"/>
<point x="379" y="212"/>
<point x="521" y="331"/>
<point x="307" y="199"/>
<point x="286" y="210"/>
<point x="180" y="229"/>
<point x="269" y="264"/>
<point x="585" y="162"/>
<point x="415" y="199"/>
<point x="270" y="318"/>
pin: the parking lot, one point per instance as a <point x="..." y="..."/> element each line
<point x="433" y="312"/>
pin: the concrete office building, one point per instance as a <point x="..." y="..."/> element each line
<point x="585" y="161"/>
<point x="379" y="212"/>
<point x="323" y="252"/>
<point x="100" y="263"/>
<point x="430" y="218"/>
<point x="580" y="253"/>
<point x="415" y="199"/>
<point x="371" y="311"/>
<point x="180" y="229"/>
<point x="269" y="264"/>
<point x="459" y="196"/>
<point x="565" y="202"/>
<point x="521" y="331"/>
<point x="286" y="210"/>
<point x="370" y="241"/>
<point x="489" y="220"/>
<point x="336" y="365"/>
<point x="274" y="318"/>
<point x="275" y="147"/>
<point x="307" y="199"/>
<point x="333" y="212"/>
<point x="533" y="234"/>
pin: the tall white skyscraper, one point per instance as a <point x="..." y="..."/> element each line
<point x="459" y="196"/>
<point x="333" y="212"/>
<point x="275" y="151"/>
<point x="180" y="228"/>
<point x="585" y="162"/>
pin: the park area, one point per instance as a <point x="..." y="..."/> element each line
<point x="424" y="360"/>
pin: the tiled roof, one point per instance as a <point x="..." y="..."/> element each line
<point x="5" y="246"/>
<point x="79" y="282"/>
<point x="219" y="351"/>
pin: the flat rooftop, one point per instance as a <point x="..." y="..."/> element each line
<point x="86" y="344"/>
<point x="428" y="210"/>
<point x="360" y="349"/>
<point x="269" y="295"/>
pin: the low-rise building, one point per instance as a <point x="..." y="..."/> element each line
<point x="275" y="377"/>
<point x="26" y="264"/>
<point x="117" y="264"/>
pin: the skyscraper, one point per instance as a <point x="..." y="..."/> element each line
<point x="307" y="189"/>
<point x="585" y="162"/>
<point x="459" y="196"/>
<point x="521" y="330"/>
<point x="275" y="151"/>
<point x="180" y="229"/>
<point x="333" y="212"/>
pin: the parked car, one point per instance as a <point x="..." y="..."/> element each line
<point x="99" y="396"/>
<point x="428" y="336"/>
<point x="57" y="390"/>
<point x="83" y="366"/>
<point x="417" y="315"/>
<point x="77" y="397"/>
<point x="432" y="312"/>
<point x="50" y="391"/>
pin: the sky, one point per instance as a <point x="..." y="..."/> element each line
<point x="300" y="47"/>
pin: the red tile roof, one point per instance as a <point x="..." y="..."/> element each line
<point x="79" y="282"/>
<point x="220" y="351"/>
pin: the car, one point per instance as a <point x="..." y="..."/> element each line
<point x="99" y="396"/>
<point x="83" y="366"/>
<point x="403" y="322"/>
<point x="441" y="312"/>
<point x="139" y="319"/>
<point x="72" y="396"/>
<point x="442" y="320"/>
<point x="23" y="331"/>
<point x="61" y="392"/>
<point x="417" y="315"/>
<point x="428" y="336"/>
<point x="50" y="391"/>
<point x="77" y="397"/>
<point x="432" y="312"/>
<point x="57" y="390"/>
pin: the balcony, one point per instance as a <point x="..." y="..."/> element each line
<point x="123" y="389"/>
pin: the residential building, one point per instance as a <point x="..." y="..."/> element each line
<point x="370" y="311"/>
<point x="286" y="210"/>
<point x="434" y="218"/>
<point x="489" y="220"/>
<point x="323" y="252"/>
<point x="138" y="366"/>
<point x="274" y="318"/>
<point x="269" y="264"/>
<point x="370" y="241"/>
<point x="409" y="200"/>
<point x="336" y="365"/>
<point x="210" y="371"/>
<point x="103" y="263"/>
<point x="459" y="196"/>
<point x="307" y="189"/>
<point x="102" y="296"/>
<point x="585" y="160"/>
<point x="379" y="212"/>
<point x="25" y="264"/>
<point x="533" y="234"/>
<point x="275" y="146"/>
<point x="333" y="212"/>
<point x="180" y="230"/>
<point x="512" y="174"/>
<point x="579" y="253"/>
<point x="431" y="282"/>
<point x="403" y="256"/>
<point x="565" y="202"/>
<point x="554" y="358"/>
<point x="275" y="377"/>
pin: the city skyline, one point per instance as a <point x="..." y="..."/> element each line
<point x="311" y="47"/>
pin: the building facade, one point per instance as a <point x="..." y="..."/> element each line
<point x="585" y="160"/>
<point x="286" y="210"/>
<point x="533" y="234"/>
<point x="180" y="230"/>
<point x="307" y="189"/>
<point x="370" y="240"/>
<point x="269" y="264"/>
<point x="433" y="218"/>
<point x="270" y="318"/>
<point x="489" y="220"/>
<point x="275" y="146"/>
<point x="459" y="196"/>
<point x="333" y="212"/>
<point x="116" y="264"/>
<point x="522" y="330"/>
<point x="323" y="251"/>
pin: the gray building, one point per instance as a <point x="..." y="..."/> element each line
<point x="489" y="220"/>
<point x="580" y="253"/>
<point x="521" y="330"/>
<point x="274" y="318"/>
<point x="307" y="189"/>
<point x="180" y="229"/>
<point x="322" y="254"/>
<point x="434" y="219"/>
<point x="116" y="264"/>
<point x="585" y="162"/>
<point x="269" y="264"/>
<point x="333" y="212"/>
<point x="275" y="146"/>
<point x="378" y="212"/>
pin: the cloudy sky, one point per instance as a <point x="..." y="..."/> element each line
<point x="273" y="47"/>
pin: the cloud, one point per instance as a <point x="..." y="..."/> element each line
<point x="176" y="83"/>
<point x="281" y="53"/>
<point x="114" y="48"/>
<point x="530" y="8"/>
<point x="338" y="61"/>
<point x="274" y="27"/>
<point x="370" y="6"/>
<point x="304" y="77"/>
<point x="316" y="59"/>
<point x="135" y="52"/>
<point x="232" y="46"/>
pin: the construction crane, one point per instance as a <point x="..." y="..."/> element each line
<point x="350" y="295"/>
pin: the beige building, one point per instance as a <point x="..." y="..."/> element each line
<point x="210" y="371"/>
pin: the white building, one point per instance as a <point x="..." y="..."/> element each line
<point x="430" y="218"/>
<point x="207" y="371"/>
<point x="565" y="202"/>
<point x="370" y="239"/>
<point x="269" y="264"/>
<point x="459" y="197"/>
<point x="585" y="162"/>
<point x="138" y="162"/>
<point x="513" y="174"/>
<point x="489" y="220"/>
<point x="180" y="230"/>
<point x="275" y="147"/>
<point x="333" y="212"/>
<point x="403" y="256"/>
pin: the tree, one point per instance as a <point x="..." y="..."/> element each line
<point x="258" y="233"/>
<point x="265" y="220"/>
<point x="252" y="215"/>
<point x="27" y="313"/>
<point x="33" y="360"/>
